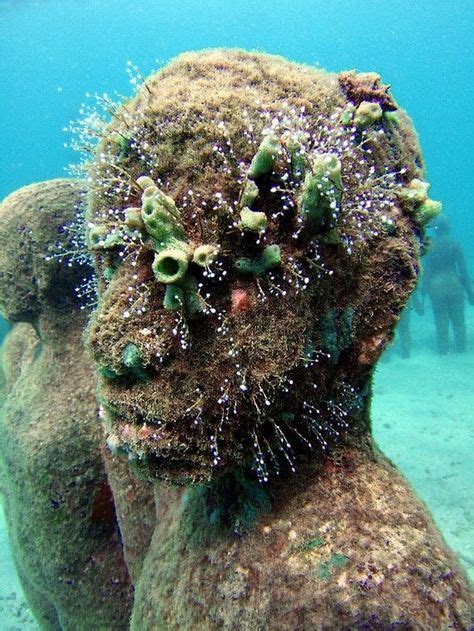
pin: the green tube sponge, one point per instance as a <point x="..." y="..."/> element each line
<point x="193" y="301"/>
<point x="171" y="264"/>
<point x="184" y="297"/>
<point x="392" y="117"/>
<point x="270" y="258"/>
<point x="133" y="219"/>
<point x="96" y="237"/>
<point x="253" y="221"/>
<point x="367" y="114"/>
<point x="347" y="115"/>
<point x="174" y="298"/>
<point x="145" y="182"/>
<point x="131" y="356"/>
<point x="265" y="158"/>
<point x="249" y="194"/>
<point x="427" y="211"/>
<point x="294" y="143"/>
<point x="205" y="255"/>
<point x="321" y="191"/>
<point x="328" y="165"/>
<point x="123" y="143"/>
<point x="160" y="216"/>
<point x="108" y="373"/>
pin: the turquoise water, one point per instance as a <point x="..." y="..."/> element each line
<point x="53" y="52"/>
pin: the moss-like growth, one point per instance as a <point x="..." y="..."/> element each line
<point x="360" y="87"/>
<point x="57" y="502"/>
<point x="227" y="506"/>
<point x="312" y="544"/>
<point x="34" y="275"/>
<point x="326" y="569"/>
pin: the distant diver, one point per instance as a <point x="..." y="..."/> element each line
<point x="446" y="280"/>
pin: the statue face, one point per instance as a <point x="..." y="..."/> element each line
<point x="248" y="281"/>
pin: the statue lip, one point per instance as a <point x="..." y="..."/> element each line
<point x="160" y="455"/>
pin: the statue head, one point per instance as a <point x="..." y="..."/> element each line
<point x="35" y="286"/>
<point x="255" y="227"/>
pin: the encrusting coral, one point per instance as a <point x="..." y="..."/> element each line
<point x="255" y="228"/>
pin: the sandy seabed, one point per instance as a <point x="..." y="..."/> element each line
<point x="423" y="417"/>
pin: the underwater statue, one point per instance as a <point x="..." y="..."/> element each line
<point x="255" y="228"/>
<point x="58" y="504"/>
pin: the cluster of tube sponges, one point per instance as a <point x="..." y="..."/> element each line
<point x="319" y="175"/>
<point x="415" y="193"/>
<point x="158" y="222"/>
<point x="257" y="221"/>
